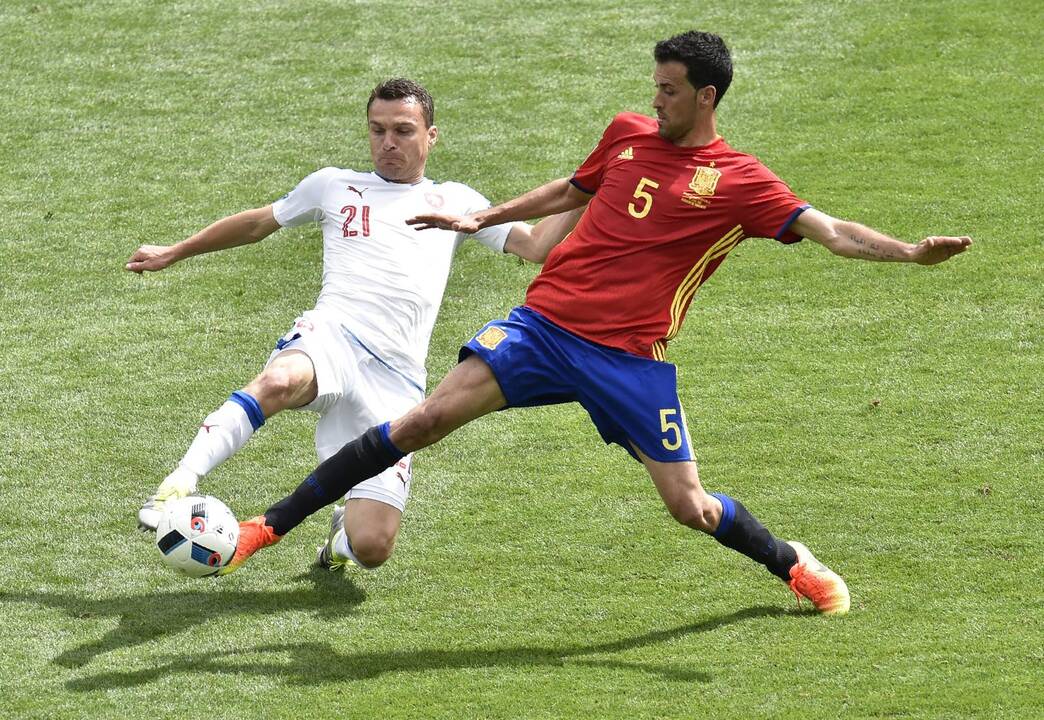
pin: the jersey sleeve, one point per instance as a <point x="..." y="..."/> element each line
<point x="303" y="204"/>
<point x="771" y="207"/>
<point x="588" y="177"/>
<point x="495" y="236"/>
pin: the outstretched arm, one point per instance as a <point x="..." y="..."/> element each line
<point x="533" y="243"/>
<point x="849" y="239"/>
<point x="554" y="197"/>
<point x="243" y="228"/>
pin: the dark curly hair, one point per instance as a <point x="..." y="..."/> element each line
<point x="400" y="89"/>
<point x="706" y="58"/>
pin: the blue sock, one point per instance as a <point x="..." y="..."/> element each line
<point x="740" y="531"/>
<point x="251" y="406"/>
<point x="358" y="460"/>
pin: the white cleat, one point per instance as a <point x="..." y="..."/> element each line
<point x="325" y="555"/>
<point x="180" y="483"/>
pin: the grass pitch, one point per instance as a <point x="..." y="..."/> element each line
<point x="888" y="416"/>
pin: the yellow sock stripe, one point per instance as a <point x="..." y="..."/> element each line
<point x="688" y="286"/>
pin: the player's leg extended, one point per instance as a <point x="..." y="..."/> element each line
<point x="732" y="525"/>
<point x="288" y="381"/>
<point x="724" y="518"/>
<point x="469" y="391"/>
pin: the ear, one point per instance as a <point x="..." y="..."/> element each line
<point x="433" y="135"/>
<point x="705" y="96"/>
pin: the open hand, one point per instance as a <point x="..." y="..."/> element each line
<point x="457" y="223"/>
<point x="935" y="249"/>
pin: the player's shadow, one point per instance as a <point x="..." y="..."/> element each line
<point x="331" y="597"/>
<point x="314" y="663"/>
<point x="151" y="615"/>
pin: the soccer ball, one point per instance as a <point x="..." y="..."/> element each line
<point x="197" y="535"/>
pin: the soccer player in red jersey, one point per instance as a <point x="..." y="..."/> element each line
<point x="664" y="201"/>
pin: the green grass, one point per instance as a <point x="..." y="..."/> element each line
<point x="890" y="417"/>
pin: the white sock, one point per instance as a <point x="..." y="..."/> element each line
<point x="221" y="435"/>
<point x="342" y="548"/>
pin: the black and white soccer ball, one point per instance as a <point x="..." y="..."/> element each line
<point x="197" y="535"/>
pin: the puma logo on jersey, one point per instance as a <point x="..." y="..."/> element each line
<point x="627" y="154"/>
<point x="207" y="427"/>
<point x="356" y="190"/>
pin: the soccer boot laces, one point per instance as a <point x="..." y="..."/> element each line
<point x="811" y="579"/>
<point x="326" y="556"/>
<point x="254" y="534"/>
<point x="180" y="483"/>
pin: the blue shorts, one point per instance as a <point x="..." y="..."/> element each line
<point x="632" y="400"/>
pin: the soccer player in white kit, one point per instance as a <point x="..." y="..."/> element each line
<point x="358" y="357"/>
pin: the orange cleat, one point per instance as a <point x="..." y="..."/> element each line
<point x="253" y="535"/>
<point x="812" y="579"/>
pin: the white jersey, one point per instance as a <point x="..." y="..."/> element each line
<point x="383" y="279"/>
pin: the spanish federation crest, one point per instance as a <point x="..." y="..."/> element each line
<point x="704" y="181"/>
<point x="491" y="337"/>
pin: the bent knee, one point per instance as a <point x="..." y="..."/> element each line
<point x="372" y="546"/>
<point x="277" y="381"/>
<point x="699" y="513"/>
<point x="280" y="387"/>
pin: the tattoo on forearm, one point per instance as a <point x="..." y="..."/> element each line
<point x="870" y="249"/>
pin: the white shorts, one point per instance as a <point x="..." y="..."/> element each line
<point x="357" y="390"/>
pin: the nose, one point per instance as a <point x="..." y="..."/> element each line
<point x="388" y="143"/>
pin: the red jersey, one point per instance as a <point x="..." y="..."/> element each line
<point x="662" y="219"/>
